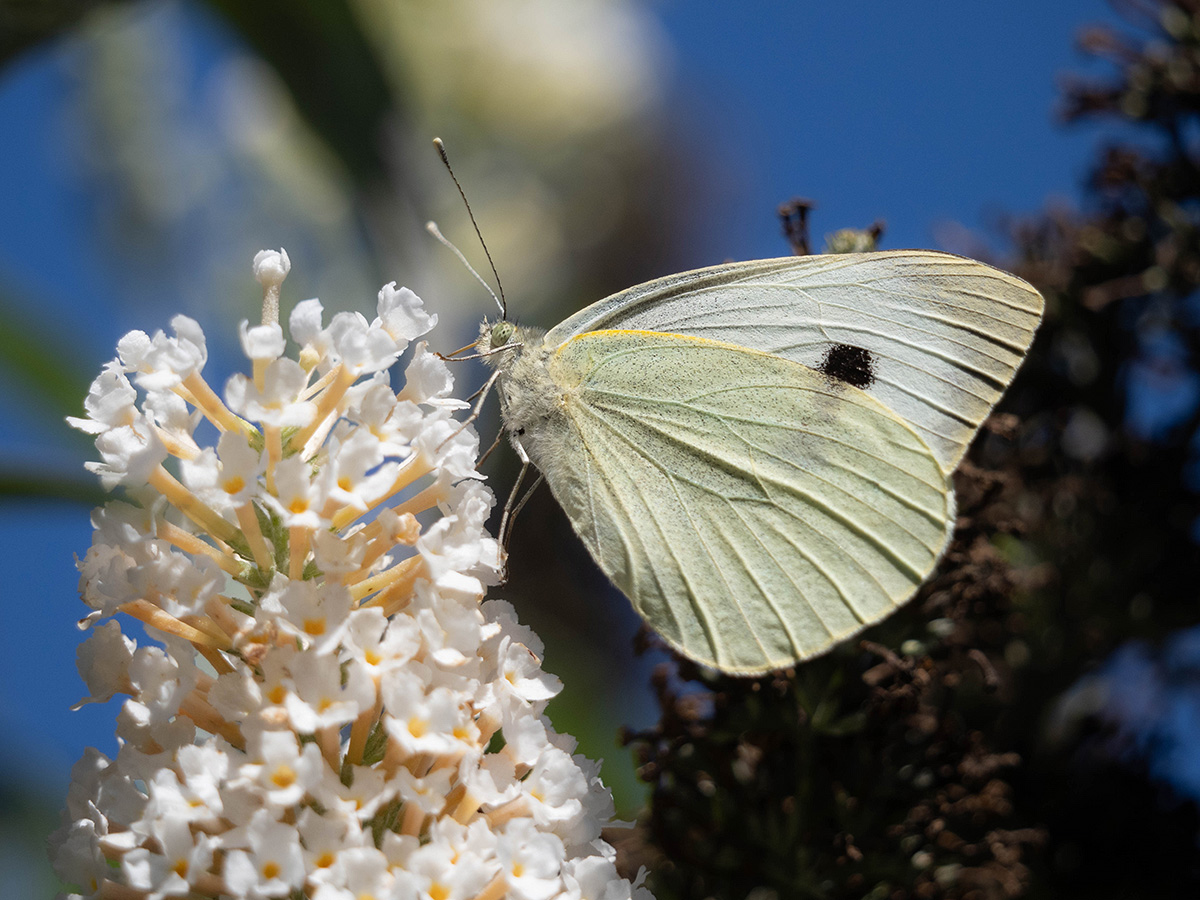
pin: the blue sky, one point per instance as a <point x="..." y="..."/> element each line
<point x="926" y="114"/>
<point x="929" y="114"/>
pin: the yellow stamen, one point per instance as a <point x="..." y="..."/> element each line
<point x="411" y="470"/>
<point x="110" y="890"/>
<point x="273" y="442"/>
<point x="396" y="597"/>
<point x="510" y="810"/>
<point x="330" y="742"/>
<point x="145" y="611"/>
<point x="206" y="400"/>
<point x="219" y="663"/>
<point x="299" y="540"/>
<point x="190" y="543"/>
<point x="179" y="446"/>
<point x="467" y="807"/>
<point x="320" y="384"/>
<point x="218" y="609"/>
<point x="191" y="505"/>
<point x="314" y="627"/>
<point x="361" y="730"/>
<point x="208" y="626"/>
<point x="496" y="889"/>
<point x="313" y="435"/>
<point x="406" y="532"/>
<point x="260" y="373"/>
<point x="413" y="818"/>
<point x="208" y="719"/>
<point x="381" y="580"/>
<point x="259" y="548"/>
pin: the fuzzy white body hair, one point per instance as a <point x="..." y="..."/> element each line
<point x="532" y="404"/>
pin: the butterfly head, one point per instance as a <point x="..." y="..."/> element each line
<point x="498" y="334"/>
<point x="500" y="343"/>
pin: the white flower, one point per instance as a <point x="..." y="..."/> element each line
<point x="271" y="267"/>
<point x="356" y="873"/>
<point x="284" y="771"/>
<point x="264" y="342"/>
<point x="103" y="661"/>
<point x="162" y="362"/>
<point x="321" y="699"/>
<point x="131" y="454"/>
<point x="319" y="720"/>
<point x="456" y="863"/>
<point x="109" y="403"/>
<point x="273" y="864"/>
<point x="299" y="497"/>
<point x="179" y="857"/>
<point x="402" y="315"/>
<point x="316" y="614"/>
<point x="305" y="326"/>
<point x="423" y="718"/>
<point x="427" y="380"/>
<point x="278" y="402"/>
<point x="240" y="467"/>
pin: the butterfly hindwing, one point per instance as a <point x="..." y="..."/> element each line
<point x="754" y="510"/>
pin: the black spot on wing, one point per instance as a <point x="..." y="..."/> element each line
<point x="853" y="365"/>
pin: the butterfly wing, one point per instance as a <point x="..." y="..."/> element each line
<point x="943" y="335"/>
<point x="754" y="511"/>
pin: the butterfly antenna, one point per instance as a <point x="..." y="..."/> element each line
<point x="432" y="228"/>
<point x="500" y="301"/>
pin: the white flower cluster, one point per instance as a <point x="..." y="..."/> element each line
<point x="332" y="714"/>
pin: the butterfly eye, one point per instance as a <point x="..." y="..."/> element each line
<point x="502" y="333"/>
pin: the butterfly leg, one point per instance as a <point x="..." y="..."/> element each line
<point x="512" y="506"/>
<point x="482" y="395"/>
<point x="491" y="449"/>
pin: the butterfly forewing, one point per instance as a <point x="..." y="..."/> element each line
<point x="941" y="335"/>
<point x="754" y="510"/>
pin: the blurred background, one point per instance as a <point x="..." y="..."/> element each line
<point x="149" y="149"/>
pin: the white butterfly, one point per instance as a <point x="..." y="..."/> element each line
<point x="759" y="454"/>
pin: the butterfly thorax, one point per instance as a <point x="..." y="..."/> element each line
<point x="529" y="396"/>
